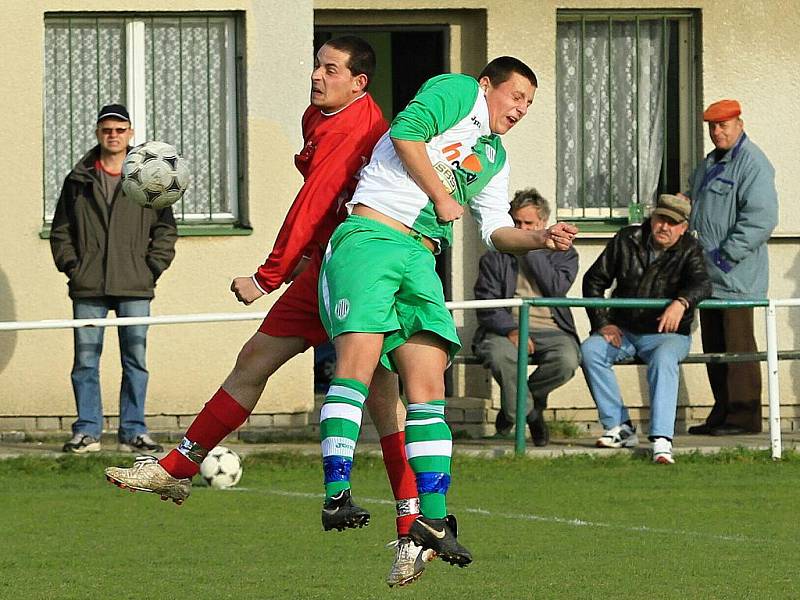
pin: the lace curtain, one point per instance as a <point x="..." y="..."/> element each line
<point x="610" y="138"/>
<point x="77" y="83"/>
<point x="187" y="79"/>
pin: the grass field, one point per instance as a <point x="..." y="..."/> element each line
<point x="723" y="526"/>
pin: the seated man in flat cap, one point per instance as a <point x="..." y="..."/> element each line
<point x="734" y="210"/>
<point x="652" y="260"/>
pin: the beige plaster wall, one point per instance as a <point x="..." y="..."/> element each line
<point x="187" y="362"/>
<point x="749" y="52"/>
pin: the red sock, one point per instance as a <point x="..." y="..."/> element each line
<point x="220" y="416"/>
<point x="401" y="477"/>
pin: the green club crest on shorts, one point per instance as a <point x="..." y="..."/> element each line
<point x="342" y="309"/>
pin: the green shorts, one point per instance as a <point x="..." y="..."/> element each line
<point x="375" y="279"/>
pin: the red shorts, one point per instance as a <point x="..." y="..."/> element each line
<point x="296" y="313"/>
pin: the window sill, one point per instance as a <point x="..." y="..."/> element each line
<point x="206" y="229"/>
<point x="597" y="227"/>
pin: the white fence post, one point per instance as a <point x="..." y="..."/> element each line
<point x="773" y="386"/>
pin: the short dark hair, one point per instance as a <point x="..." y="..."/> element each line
<point x="362" y="56"/>
<point x="531" y="197"/>
<point x="501" y="68"/>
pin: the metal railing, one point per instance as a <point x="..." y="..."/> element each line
<point x="524" y="304"/>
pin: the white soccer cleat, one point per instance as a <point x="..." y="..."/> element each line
<point x="621" y="436"/>
<point x="146" y="475"/>
<point x="409" y="562"/>
<point x="662" y="452"/>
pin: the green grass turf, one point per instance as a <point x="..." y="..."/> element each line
<point x="724" y="526"/>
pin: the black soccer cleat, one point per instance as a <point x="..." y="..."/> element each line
<point x="440" y="535"/>
<point x="340" y="513"/>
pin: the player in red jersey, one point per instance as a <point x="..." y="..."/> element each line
<point x="340" y="128"/>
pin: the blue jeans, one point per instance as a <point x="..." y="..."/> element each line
<point x="85" y="368"/>
<point x="661" y="351"/>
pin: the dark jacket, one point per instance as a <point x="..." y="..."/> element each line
<point x="553" y="272"/>
<point x="116" y="250"/>
<point x="680" y="271"/>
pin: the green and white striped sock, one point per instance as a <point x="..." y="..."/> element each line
<point x="339" y="426"/>
<point x="429" y="446"/>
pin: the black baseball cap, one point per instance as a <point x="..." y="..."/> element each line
<point x="114" y="111"/>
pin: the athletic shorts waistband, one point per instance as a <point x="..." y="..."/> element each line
<point x="413" y="234"/>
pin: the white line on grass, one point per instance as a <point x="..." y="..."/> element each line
<point x="543" y="519"/>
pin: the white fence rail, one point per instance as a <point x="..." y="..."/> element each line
<point x="770" y="315"/>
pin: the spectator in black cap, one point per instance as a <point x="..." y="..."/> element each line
<point x="112" y="251"/>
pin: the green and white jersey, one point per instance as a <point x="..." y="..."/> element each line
<point x="450" y="114"/>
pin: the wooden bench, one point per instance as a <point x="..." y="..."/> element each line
<point x="695" y="358"/>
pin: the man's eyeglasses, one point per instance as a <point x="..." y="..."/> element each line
<point x="110" y="130"/>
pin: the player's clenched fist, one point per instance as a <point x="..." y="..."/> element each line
<point x="560" y="236"/>
<point x="245" y="290"/>
<point x="448" y="210"/>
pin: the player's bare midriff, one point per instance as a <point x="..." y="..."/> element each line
<point x="365" y="211"/>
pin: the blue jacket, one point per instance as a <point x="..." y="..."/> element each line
<point x="734" y="210"/>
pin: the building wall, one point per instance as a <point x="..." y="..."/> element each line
<point x="748" y="52"/>
<point x="187" y="362"/>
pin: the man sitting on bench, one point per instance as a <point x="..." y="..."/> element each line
<point x="651" y="260"/>
<point x="552" y="342"/>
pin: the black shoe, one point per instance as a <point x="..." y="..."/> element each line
<point x="81" y="444"/>
<point x="728" y="430"/>
<point x="704" y="429"/>
<point x="540" y="433"/>
<point x="440" y="536"/>
<point x="502" y="424"/>
<point x="340" y="513"/>
<point x="142" y="443"/>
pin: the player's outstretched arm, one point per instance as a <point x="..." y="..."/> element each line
<point x="519" y="241"/>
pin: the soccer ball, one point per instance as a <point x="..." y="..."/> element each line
<point x="221" y="468"/>
<point x="154" y="175"/>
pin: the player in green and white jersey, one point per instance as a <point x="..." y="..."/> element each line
<point x="380" y="297"/>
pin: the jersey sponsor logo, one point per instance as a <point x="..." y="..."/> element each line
<point x="473" y="163"/>
<point x="342" y="309"/>
<point x="452" y="152"/>
<point x="475" y="121"/>
<point x="446" y="176"/>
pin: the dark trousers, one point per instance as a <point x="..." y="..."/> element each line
<point x="736" y="386"/>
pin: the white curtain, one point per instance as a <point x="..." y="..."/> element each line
<point x="187" y="104"/>
<point x="610" y="138"/>
<point x="84" y="70"/>
<point x="186" y="98"/>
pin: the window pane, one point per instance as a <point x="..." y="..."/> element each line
<point x="610" y="112"/>
<point x="189" y="99"/>
<point x="77" y="84"/>
<point x="187" y="91"/>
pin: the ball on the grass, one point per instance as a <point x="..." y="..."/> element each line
<point x="221" y="468"/>
<point x="154" y="175"/>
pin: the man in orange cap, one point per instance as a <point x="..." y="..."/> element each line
<point x="734" y="210"/>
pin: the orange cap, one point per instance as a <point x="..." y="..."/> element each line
<point x="722" y="111"/>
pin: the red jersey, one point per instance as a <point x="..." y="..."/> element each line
<point x="336" y="147"/>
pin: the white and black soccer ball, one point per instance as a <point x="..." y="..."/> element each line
<point x="154" y="176"/>
<point x="221" y="468"/>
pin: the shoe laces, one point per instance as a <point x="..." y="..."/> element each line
<point x="142" y="461"/>
<point x="404" y="547"/>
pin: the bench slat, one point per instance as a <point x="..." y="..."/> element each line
<point x="696" y="358"/>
